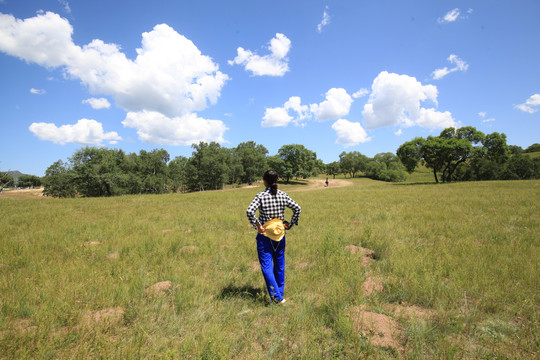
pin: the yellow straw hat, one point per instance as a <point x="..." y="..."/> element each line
<point x="274" y="229"/>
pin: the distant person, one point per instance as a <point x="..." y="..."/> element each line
<point x="271" y="228"/>
<point x="327" y="182"/>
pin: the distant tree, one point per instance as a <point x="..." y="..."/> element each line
<point x="283" y="168"/>
<point x="533" y="148"/>
<point x="209" y="166"/>
<point x="59" y="180"/>
<point x="514" y="149"/>
<point x="252" y="159"/>
<point x="302" y="161"/>
<point x="28" y="181"/>
<point x="352" y="162"/>
<point x="522" y="167"/>
<point x="445" y="153"/>
<point x="333" y="169"/>
<point x="6" y="180"/>
<point x="152" y="169"/>
<point x="386" y="167"/>
<point x="178" y="173"/>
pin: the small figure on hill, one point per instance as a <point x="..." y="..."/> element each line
<point x="327" y="182"/>
<point x="271" y="228"/>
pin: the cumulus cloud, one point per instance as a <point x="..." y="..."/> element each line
<point x="97" y="104"/>
<point x="325" y="20"/>
<point x="395" y="100"/>
<point x="274" y="64"/>
<point x="155" y="128"/>
<point x="349" y="133"/>
<point x="337" y="104"/>
<point x="530" y="105"/>
<point x="169" y="74"/>
<point x="37" y="91"/>
<point x="360" y="93"/>
<point x="274" y="117"/>
<point x="482" y="114"/>
<point x="84" y="132"/>
<point x="460" y="65"/>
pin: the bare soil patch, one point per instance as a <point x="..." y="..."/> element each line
<point x="373" y="284"/>
<point x="166" y="231"/>
<point x="302" y="266"/>
<point x="24" y="325"/>
<point x="380" y="329"/>
<point x="255" y="266"/>
<point x="113" y="315"/>
<point x="368" y="255"/>
<point x="159" y="289"/>
<point x="319" y="184"/>
<point x="92" y="243"/>
<point x="114" y="255"/>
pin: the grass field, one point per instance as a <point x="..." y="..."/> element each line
<point x="454" y="275"/>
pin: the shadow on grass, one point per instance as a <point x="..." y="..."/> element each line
<point x="244" y="292"/>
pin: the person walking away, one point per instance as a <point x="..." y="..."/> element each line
<point x="271" y="228"/>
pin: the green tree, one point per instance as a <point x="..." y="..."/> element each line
<point x="59" y="180"/>
<point x="178" y="173"/>
<point x="208" y="166"/>
<point x="352" y="162"/>
<point x="153" y="172"/>
<point x="445" y="153"/>
<point x="28" y="181"/>
<point x="333" y="169"/>
<point x="252" y="158"/>
<point x="283" y="168"/>
<point x="302" y="161"/>
<point x="6" y="180"/>
<point x="533" y="148"/>
<point x="386" y="167"/>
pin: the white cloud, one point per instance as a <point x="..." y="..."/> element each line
<point x="37" y="91"/>
<point x="450" y="16"/>
<point x="482" y="114"/>
<point x="325" y="20"/>
<point x="84" y="132"/>
<point x="349" y="133"/>
<point x="460" y="65"/>
<point x="65" y="4"/>
<point x="529" y="106"/>
<point x="277" y="116"/>
<point x="395" y="101"/>
<point x="488" y="120"/>
<point x="360" y="93"/>
<point x="274" y="64"/>
<point x="169" y="74"/>
<point x="398" y="132"/>
<point x="337" y="104"/>
<point x="155" y="128"/>
<point x="97" y="104"/>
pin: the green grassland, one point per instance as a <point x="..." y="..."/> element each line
<point x="466" y="252"/>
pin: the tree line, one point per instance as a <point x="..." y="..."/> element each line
<point x="383" y="166"/>
<point x="93" y="172"/>
<point x="468" y="154"/>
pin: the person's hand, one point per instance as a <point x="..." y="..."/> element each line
<point x="260" y="229"/>
<point x="286" y="225"/>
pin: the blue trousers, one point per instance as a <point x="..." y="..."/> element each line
<point x="272" y="260"/>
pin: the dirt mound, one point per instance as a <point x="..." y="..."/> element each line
<point x="113" y="315"/>
<point x="360" y="251"/>
<point x="380" y="329"/>
<point x="372" y="285"/>
<point x="92" y="243"/>
<point x="411" y="311"/>
<point x="159" y="289"/>
<point x="189" y="248"/>
<point x="24" y="325"/>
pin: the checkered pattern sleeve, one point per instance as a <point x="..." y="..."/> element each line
<point x="252" y="208"/>
<point x="272" y="207"/>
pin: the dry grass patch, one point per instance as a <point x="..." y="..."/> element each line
<point x="111" y="316"/>
<point x="92" y="243"/>
<point x="411" y="311"/>
<point x="159" y="289"/>
<point x="24" y="326"/>
<point x="302" y="266"/>
<point x="114" y="255"/>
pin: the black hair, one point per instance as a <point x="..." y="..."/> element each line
<point x="271" y="178"/>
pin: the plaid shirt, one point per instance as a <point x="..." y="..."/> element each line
<point x="272" y="207"/>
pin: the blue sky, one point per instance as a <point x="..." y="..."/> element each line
<point x="331" y="75"/>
